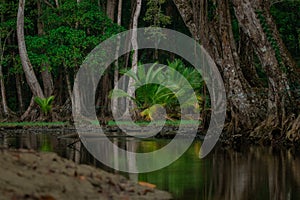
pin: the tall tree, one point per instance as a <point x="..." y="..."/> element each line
<point x="217" y="38"/>
<point x="110" y="9"/>
<point x="4" y="35"/>
<point x="255" y="21"/>
<point x="248" y="107"/>
<point x="131" y="88"/>
<point x="114" y="105"/>
<point x="156" y="18"/>
<point x="45" y="72"/>
<point x="106" y="83"/>
<point x="27" y="67"/>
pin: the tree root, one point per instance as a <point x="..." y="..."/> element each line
<point x="268" y="128"/>
<point x="271" y="130"/>
<point x="293" y="130"/>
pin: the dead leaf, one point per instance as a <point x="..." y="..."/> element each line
<point x="150" y="185"/>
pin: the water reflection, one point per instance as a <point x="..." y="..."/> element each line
<point x="254" y="173"/>
<point x="258" y="173"/>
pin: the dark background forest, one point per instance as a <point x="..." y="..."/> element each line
<point x="255" y="44"/>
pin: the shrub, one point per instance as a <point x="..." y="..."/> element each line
<point x="45" y="104"/>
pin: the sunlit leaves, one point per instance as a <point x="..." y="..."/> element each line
<point x="45" y="104"/>
<point x="154" y="14"/>
<point x="158" y="85"/>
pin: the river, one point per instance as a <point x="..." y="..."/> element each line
<point x="252" y="173"/>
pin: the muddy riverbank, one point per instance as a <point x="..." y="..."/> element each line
<point x="168" y="132"/>
<point x="27" y="174"/>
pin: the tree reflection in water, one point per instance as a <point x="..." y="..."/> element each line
<point x="252" y="173"/>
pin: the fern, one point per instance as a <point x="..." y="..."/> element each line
<point x="149" y="94"/>
<point x="45" y="104"/>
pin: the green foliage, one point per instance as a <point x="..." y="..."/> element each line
<point x="32" y="124"/>
<point x="191" y="74"/>
<point x="45" y="143"/>
<point x="154" y="14"/>
<point x="271" y="39"/>
<point x="71" y="32"/>
<point x="286" y="15"/>
<point x="150" y="112"/>
<point x="212" y="8"/>
<point x="155" y="17"/>
<point x="9" y="11"/>
<point x="45" y="104"/>
<point x="149" y="95"/>
<point x="7" y="27"/>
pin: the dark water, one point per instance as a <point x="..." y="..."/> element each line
<point x="255" y="173"/>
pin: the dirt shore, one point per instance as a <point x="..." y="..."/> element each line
<point x="26" y="174"/>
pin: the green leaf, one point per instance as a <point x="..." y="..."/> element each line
<point x="119" y="94"/>
<point x="45" y="104"/>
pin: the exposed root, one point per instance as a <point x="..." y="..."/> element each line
<point x="272" y="131"/>
<point x="269" y="127"/>
<point x="29" y="112"/>
<point x="293" y="130"/>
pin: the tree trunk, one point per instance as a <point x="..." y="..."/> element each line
<point x="114" y="102"/>
<point x="217" y="38"/>
<point x="69" y="85"/>
<point x="255" y="26"/>
<point x="6" y="109"/>
<point x="56" y="3"/>
<point x="246" y="53"/>
<point x="3" y="93"/>
<point x="106" y="83"/>
<point x="124" y="84"/>
<point x="128" y="44"/>
<point x="110" y="9"/>
<point x="47" y="82"/>
<point x="27" y="67"/>
<point x="19" y="92"/>
<point x="46" y="74"/>
<point x="249" y="103"/>
<point x="285" y="54"/>
<point x="106" y="87"/>
<point x="26" y="114"/>
<point x="131" y="88"/>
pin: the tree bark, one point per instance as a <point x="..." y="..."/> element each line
<point x="246" y="53"/>
<point x="110" y="9"/>
<point x="114" y="102"/>
<point x="29" y="109"/>
<point x="134" y="42"/>
<point x="217" y="38"/>
<point x="277" y="78"/>
<point x="69" y="85"/>
<point x="250" y="103"/>
<point x="47" y="81"/>
<point x="19" y="92"/>
<point x="6" y="109"/>
<point x="287" y="57"/>
<point x="3" y="93"/>
<point x="106" y="83"/>
<point x="134" y="45"/>
<point x="27" y="67"/>
<point x="56" y="3"/>
<point x="46" y="74"/>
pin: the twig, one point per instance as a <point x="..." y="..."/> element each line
<point x="49" y="4"/>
